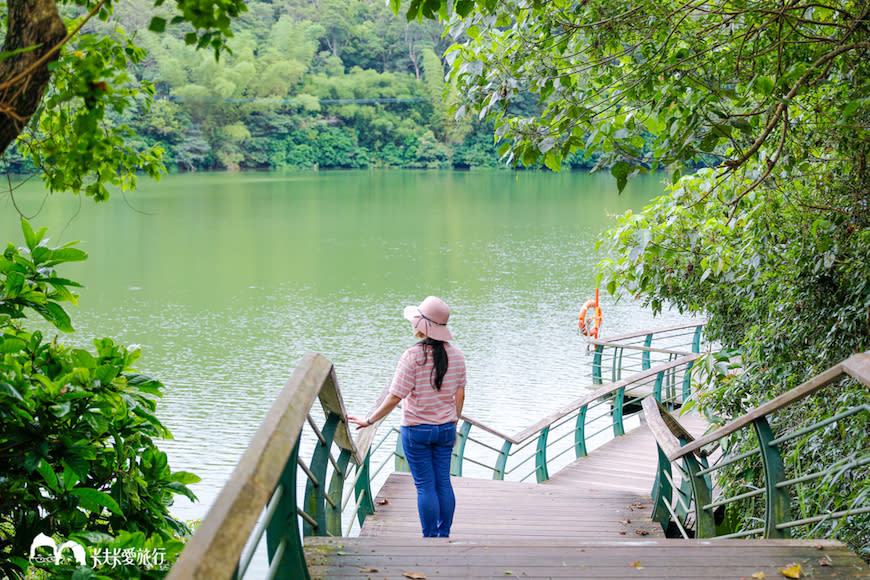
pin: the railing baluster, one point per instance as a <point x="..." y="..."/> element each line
<point x="315" y="491"/>
<point x="580" y="433"/>
<point x="363" y="490"/>
<point x="541" y="472"/>
<point x="596" y="364"/>
<point x="618" y="400"/>
<point x="777" y="502"/>
<point x="662" y="490"/>
<point x="501" y="462"/>
<point x="283" y="529"/>
<point x="336" y="489"/>
<point x="459" y="449"/>
<point x="646" y="354"/>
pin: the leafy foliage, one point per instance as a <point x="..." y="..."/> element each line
<point x="77" y="452"/>
<point x="654" y="84"/>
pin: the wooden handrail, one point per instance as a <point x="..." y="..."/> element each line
<point x="664" y="428"/>
<point x="630" y="335"/>
<point x="562" y="412"/>
<point x="213" y="551"/>
<point x="857" y="366"/>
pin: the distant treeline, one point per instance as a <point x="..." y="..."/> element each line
<point x="309" y="84"/>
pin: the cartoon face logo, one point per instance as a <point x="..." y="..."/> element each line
<point x="43" y="541"/>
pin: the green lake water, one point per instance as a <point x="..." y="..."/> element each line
<point x="226" y="279"/>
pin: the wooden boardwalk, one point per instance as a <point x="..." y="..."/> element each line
<point x="590" y="520"/>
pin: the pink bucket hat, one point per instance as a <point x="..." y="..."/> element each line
<point x="430" y="318"/>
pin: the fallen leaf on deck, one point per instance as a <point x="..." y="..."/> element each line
<point x="414" y="575"/>
<point x="624" y="521"/>
<point x="758" y="575"/>
<point x="641" y="532"/>
<point x="508" y="572"/>
<point x="636" y="565"/>
<point x="384" y="501"/>
<point x="622" y="533"/>
<point x="791" y="571"/>
<point x="368" y="570"/>
<point x="825" y="562"/>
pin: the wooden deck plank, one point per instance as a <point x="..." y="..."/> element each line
<point x="447" y="558"/>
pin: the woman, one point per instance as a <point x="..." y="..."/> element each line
<point x="430" y="379"/>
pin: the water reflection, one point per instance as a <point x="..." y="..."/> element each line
<point x="227" y="279"/>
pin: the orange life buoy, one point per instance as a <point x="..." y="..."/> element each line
<point x="592" y="328"/>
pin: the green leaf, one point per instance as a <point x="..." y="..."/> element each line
<point x="157" y="24"/>
<point x="11" y="344"/>
<point x="30" y="237"/>
<point x="184" y="477"/>
<point x="553" y="160"/>
<point x="620" y="171"/>
<point x="9" y="391"/>
<point x="464" y="7"/>
<point x="56" y="315"/>
<point x="70" y="477"/>
<point x="48" y="475"/>
<point x="765" y="85"/>
<point x="94" y="500"/>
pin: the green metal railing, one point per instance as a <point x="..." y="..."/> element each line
<point x="274" y="493"/>
<point x="639" y="351"/>
<point x="766" y="499"/>
<point x="304" y="475"/>
<point x="566" y="434"/>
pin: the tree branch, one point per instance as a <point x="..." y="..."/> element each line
<point x="31" y="23"/>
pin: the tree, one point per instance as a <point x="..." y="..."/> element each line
<point x="60" y="89"/>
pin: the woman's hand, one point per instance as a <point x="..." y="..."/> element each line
<point x="360" y="423"/>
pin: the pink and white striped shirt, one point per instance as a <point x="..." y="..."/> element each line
<point x="421" y="403"/>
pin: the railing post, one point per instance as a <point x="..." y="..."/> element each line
<point x="459" y="449"/>
<point x="541" y="472"/>
<point x="363" y="491"/>
<point x="401" y="464"/>
<point x="501" y="462"/>
<point x="282" y="534"/>
<point x="657" y="388"/>
<point x="645" y="357"/>
<point x="336" y="488"/>
<point x="662" y="491"/>
<point x="705" y="526"/>
<point x="618" y="400"/>
<point x="596" y="364"/>
<point x="696" y="340"/>
<point x="777" y="501"/>
<point x="616" y="372"/>
<point x="687" y="381"/>
<point x="580" y="433"/>
<point x="315" y="489"/>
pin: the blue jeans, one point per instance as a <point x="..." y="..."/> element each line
<point x="428" y="449"/>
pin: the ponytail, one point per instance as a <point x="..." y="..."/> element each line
<point x="439" y="357"/>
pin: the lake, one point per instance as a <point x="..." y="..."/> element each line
<point x="226" y="279"/>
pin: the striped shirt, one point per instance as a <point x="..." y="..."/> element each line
<point x="422" y="404"/>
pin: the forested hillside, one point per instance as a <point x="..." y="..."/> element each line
<point x="309" y="84"/>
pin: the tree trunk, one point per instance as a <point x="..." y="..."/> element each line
<point x="31" y="23"/>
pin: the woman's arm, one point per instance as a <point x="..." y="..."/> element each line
<point x="459" y="397"/>
<point x="388" y="404"/>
